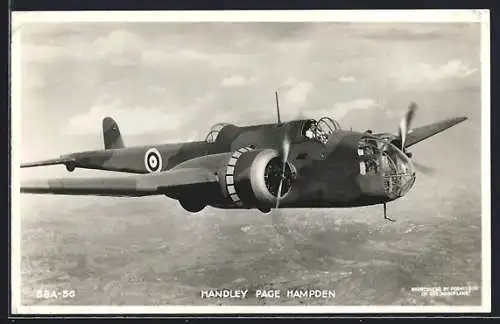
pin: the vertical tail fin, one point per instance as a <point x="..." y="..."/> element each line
<point x="111" y="133"/>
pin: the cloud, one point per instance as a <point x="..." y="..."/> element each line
<point x="237" y="80"/>
<point x="118" y="47"/>
<point x="341" y="109"/>
<point x="178" y="62"/>
<point x="290" y="82"/>
<point x="297" y="91"/>
<point x="117" y="42"/>
<point x="43" y="53"/>
<point x="133" y="120"/>
<point x="121" y="47"/>
<point x="452" y="69"/>
<point x="391" y="32"/>
<point x="397" y="32"/>
<point x="428" y="76"/>
<point x="346" y="79"/>
<point x="165" y="57"/>
<point x="297" y="47"/>
<point x="155" y="88"/>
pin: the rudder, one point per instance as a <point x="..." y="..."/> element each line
<point x="111" y="133"/>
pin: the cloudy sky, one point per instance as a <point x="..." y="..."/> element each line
<point x="171" y="81"/>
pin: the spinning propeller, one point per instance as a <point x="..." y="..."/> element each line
<point x="285" y="151"/>
<point x="404" y="125"/>
<point x="278" y="222"/>
<point x="404" y="129"/>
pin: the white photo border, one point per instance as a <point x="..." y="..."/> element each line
<point x="402" y="16"/>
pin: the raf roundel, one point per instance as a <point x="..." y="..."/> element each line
<point x="152" y="160"/>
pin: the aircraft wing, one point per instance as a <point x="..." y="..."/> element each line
<point x="61" y="160"/>
<point x="123" y="186"/>
<point x="420" y="133"/>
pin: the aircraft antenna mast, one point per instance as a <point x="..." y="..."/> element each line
<point x="278" y="107"/>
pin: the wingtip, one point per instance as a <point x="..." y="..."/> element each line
<point x="61" y="160"/>
<point x="29" y="164"/>
<point x="34" y="186"/>
<point x="457" y="120"/>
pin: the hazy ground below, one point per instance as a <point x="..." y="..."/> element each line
<point x="148" y="251"/>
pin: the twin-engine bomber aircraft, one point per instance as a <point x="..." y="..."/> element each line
<point x="298" y="164"/>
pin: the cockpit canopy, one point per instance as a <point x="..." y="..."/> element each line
<point x="214" y="132"/>
<point x="320" y="130"/>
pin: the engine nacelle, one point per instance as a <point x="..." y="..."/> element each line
<point x="252" y="177"/>
<point x="396" y="141"/>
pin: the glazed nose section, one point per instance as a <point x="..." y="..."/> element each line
<point x="385" y="171"/>
<point x="398" y="172"/>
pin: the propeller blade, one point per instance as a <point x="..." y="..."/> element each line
<point x="405" y="124"/>
<point x="423" y="168"/>
<point x="284" y="155"/>
<point x="278" y="222"/>
<point x="278" y="199"/>
<point x="285" y="148"/>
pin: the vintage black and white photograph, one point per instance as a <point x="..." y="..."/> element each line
<point x="242" y="162"/>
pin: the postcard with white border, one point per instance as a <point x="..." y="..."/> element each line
<point x="225" y="162"/>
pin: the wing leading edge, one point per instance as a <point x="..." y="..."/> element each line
<point x="123" y="186"/>
<point x="62" y="160"/>
<point x="421" y="133"/>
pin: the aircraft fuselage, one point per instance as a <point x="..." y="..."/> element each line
<point x="331" y="174"/>
<point x="297" y="164"/>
